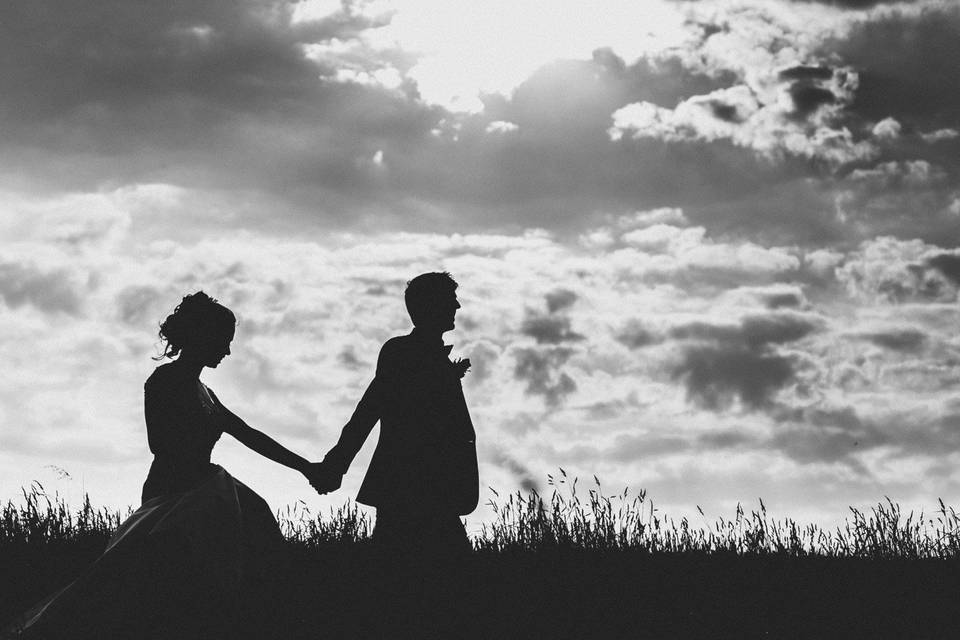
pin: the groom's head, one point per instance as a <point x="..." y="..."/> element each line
<point x="432" y="301"/>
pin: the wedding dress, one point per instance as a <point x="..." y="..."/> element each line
<point x="178" y="567"/>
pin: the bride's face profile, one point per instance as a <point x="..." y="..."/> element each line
<point x="209" y="347"/>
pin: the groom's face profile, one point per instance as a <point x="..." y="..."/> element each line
<point x="441" y="313"/>
<point x="447" y="310"/>
<point x="431" y="300"/>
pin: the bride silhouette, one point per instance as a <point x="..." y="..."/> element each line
<point x="200" y="549"/>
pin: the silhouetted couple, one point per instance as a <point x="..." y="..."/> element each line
<point x="201" y="550"/>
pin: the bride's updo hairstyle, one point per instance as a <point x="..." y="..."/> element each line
<point x="198" y="316"/>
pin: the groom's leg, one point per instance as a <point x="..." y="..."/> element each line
<point x="446" y="568"/>
<point x="401" y="586"/>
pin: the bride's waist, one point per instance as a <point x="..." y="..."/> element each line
<point x="178" y="473"/>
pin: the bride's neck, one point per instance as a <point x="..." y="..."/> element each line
<point x="190" y="367"/>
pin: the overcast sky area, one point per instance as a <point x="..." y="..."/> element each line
<point x="706" y="249"/>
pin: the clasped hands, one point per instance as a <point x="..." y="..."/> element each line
<point x="323" y="478"/>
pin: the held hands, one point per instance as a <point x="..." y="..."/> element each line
<point x="323" y="478"/>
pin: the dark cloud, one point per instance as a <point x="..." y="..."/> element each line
<point x="839" y="434"/>
<point x="482" y="356"/>
<point x="724" y="111"/>
<point x="50" y="291"/>
<point x="739" y="361"/>
<point x="808" y="97"/>
<point x="716" y="376"/>
<point x="541" y="369"/>
<point x="753" y="332"/>
<point x="560" y="299"/>
<point x="907" y="66"/>
<point x="608" y="409"/>
<point x="760" y="330"/>
<point x="504" y="460"/>
<point x="855" y="4"/>
<point x="629" y="448"/>
<point x="220" y="95"/>
<point x="726" y="439"/>
<point x="635" y="336"/>
<point x="208" y="93"/>
<point x="700" y="330"/>
<point x="782" y="300"/>
<point x="948" y="264"/>
<point x="549" y="329"/>
<point x="809" y="446"/>
<point x="138" y="304"/>
<point x="909" y="198"/>
<point x="897" y="340"/>
<point x="806" y="73"/>
<point x="348" y="358"/>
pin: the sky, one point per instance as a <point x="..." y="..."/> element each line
<point x="706" y="249"/>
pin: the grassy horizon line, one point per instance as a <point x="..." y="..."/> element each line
<point x="564" y="520"/>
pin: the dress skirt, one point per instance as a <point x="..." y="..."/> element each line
<point x="176" y="568"/>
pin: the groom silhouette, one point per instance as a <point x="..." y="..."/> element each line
<point x="423" y="474"/>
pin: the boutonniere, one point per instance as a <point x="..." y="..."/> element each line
<point x="460" y="366"/>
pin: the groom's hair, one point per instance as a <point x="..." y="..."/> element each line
<point x="424" y="291"/>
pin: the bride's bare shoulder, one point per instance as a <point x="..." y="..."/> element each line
<point x="163" y="376"/>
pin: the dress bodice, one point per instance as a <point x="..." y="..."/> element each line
<point x="184" y="421"/>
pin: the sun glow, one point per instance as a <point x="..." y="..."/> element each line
<point x="466" y="49"/>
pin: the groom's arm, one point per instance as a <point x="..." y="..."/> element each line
<point x="365" y="416"/>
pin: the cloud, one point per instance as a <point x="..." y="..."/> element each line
<point x="898" y="271"/>
<point x="780" y="296"/>
<point x="752" y="331"/>
<point x="483" y="357"/>
<point x="275" y="120"/>
<point x="138" y="304"/>
<point x="49" y="291"/>
<point x="887" y="129"/>
<point x="549" y="329"/>
<point x="940" y="135"/>
<point x="660" y="216"/>
<point x="553" y="327"/>
<point x="908" y="340"/>
<point x="784" y="245"/>
<point x="715" y="376"/>
<point x="521" y="473"/>
<point x="501" y="126"/>
<point x="726" y="362"/>
<point x="826" y="445"/>
<point x="635" y="336"/>
<point x="906" y="61"/>
<point x="348" y="358"/>
<point x="856" y="4"/>
<point x="688" y="258"/>
<point x="906" y="174"/>
<point x="948" y="264"/>
<point x="560" y="299"/>
<point x="800" y="117"/>
<point x="541" y="369"/>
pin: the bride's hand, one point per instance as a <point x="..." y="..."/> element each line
<point x="322" y="478"/>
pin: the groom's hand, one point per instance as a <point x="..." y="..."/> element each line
<point x="323" y="478"/>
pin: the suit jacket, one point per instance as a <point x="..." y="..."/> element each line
<point x="426" y="457"/>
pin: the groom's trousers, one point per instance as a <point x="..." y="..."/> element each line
<point x="426" y="563"/>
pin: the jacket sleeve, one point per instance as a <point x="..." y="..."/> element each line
<point x="367" y="413"/>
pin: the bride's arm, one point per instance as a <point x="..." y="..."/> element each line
<point x="261" y="442"/>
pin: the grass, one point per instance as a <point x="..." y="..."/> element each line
<point x="578" y="563"/>
<point x="619" y="522"/>
<point x="565" y="520"/>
